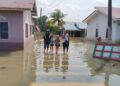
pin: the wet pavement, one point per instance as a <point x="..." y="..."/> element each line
<point x="32" y="67"/>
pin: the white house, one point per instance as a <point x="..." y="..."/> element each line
<point x="97" y="24"/>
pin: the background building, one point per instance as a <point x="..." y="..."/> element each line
<point x="97" y="24"/>
<point x="75" y="29"/>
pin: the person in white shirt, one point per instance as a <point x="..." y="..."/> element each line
<point x="65" y="42"/>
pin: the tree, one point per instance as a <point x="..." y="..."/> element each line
<point x="52" y="26"/>
<point x="57" y="18"/>
<point x="42" y="22"/>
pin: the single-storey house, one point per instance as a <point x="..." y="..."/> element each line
<point x="97" y="24"/>
<point x="75" y="29"/>
<point x="16" y="23"/>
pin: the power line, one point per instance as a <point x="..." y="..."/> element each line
<point x="55" y="5"/>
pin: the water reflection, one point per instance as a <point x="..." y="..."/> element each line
<point x="48" y="62"/>
<point x="65" y="65"/>
<point x="59" y="63"/>
<point x="16" y="68"/>
<point x="105" y="68"/>
<point x="20" y="68"/>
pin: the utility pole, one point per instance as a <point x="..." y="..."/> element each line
<point x="110" y="19"/>
<point x="40" y="12"/>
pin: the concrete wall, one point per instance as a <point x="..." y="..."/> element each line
<point x="15" y="30"/>
<point x="15" y="23"/>
<point x="27" y="19"/>
<point x="118" y="32"/>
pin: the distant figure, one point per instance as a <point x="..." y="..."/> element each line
<point x="46" y="38"/>
<point x="65" y="42"/>
<point x="57" y="43"/>
<point x="99" y="39"/>
<point x="51" y="43"/>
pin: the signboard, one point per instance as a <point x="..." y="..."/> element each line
<point x="107" y="51"/>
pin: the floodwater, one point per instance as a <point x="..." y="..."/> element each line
<point x="32" y="67"/>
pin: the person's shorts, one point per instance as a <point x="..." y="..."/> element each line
<point x="57" y="45"/>
<point x="51" y="44"/>
<point x="46" y="45"/>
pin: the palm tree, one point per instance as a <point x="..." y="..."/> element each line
<point x="57" y="18"/>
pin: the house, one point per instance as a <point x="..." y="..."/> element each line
<point x="16" y="23"/>
<point x="97" y="24"/>
<point x="75" y="29"/>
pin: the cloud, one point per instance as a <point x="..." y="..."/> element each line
<point x="44" y="2"/>
<point x="74" y="9"/>
<point x="100" y="2"/>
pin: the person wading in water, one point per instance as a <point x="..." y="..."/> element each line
<point x="46" y="38"/>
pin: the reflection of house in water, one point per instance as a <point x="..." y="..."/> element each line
<point x="16" y="68"/>
<point x="75" y="29"/>
<point x="106" y="67"/>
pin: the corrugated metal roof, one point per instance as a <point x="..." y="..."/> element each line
<point x="71" y="26"/>
<point x="104" y="10"/>
<point x="25" y="4"/>
<point x="115" y="11"/>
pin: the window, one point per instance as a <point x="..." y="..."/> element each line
<point x="26" y="32"/>
<point x="96" y="32"/>
<point x="106" y="33"/>
<point x="30" y="29"/>
<point x="3" y="30"/>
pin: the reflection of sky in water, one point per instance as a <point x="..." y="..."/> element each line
<point x="78" y="66"/>
<point x="24" y="67"/>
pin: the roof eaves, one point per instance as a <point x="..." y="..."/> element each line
<point x="90" y="16"/>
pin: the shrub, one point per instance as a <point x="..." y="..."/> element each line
<point x="118" y="42"/>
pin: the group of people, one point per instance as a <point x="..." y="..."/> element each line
<point x="50" y="41"/>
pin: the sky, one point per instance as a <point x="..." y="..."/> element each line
<point x="75" y="10"/>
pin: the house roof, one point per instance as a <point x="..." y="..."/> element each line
<point x="104" y="10"/>
<point x="16" y="4"/>
<point x="71" y="26"/>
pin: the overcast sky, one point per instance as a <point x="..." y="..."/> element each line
<point x="75" y="10"/>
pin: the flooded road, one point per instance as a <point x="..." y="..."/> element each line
<point x="32" y="67"/>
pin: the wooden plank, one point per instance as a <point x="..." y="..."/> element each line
<point x="107" y="51"/>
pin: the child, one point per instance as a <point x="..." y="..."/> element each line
<point x="57" y="43"/>
<point x="51" y="43"/>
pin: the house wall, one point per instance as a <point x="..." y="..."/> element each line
<point x="27" y="19"/>
<point x="114" y="31"/>
<point x="15" y="23"/>
<point x="15" y="30"/>
<point x="100" y="22"/>
<point x="117" y="32"/>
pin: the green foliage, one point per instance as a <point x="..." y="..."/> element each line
<point x="42" y="22"/>
<point x="53" y="29"/>
<point x="118" y="42"/>
<point x="57" y="18"/>
<point x="55" y="24"/>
